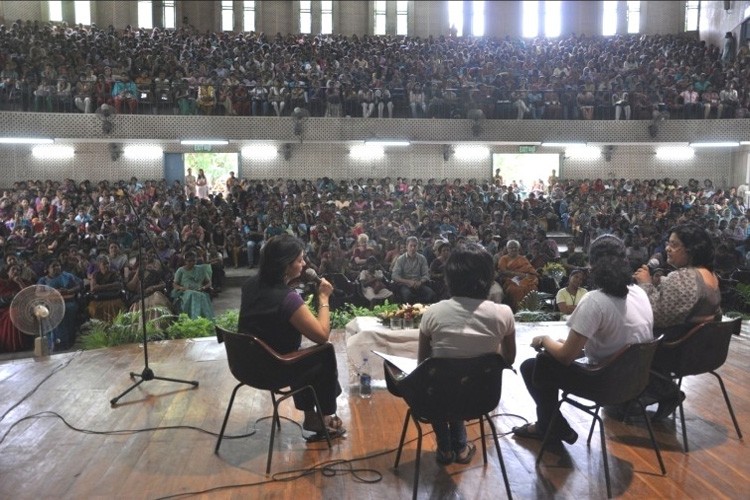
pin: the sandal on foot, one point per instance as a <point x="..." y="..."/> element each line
<point x="444" y="457"/>
<point x="333" y="422"/>
<point x="464" y="456"/>
<point x="321" y="436"/>
<point x="526" y="431"/>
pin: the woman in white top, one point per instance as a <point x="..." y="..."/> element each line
<point x="201" y="185"/>
<point x="463" y="326"/>
<point x="615" y="315"/>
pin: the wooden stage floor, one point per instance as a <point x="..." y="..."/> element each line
<point x="158" y="441"/>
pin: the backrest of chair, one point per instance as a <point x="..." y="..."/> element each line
<point x="704" y="348"/>
<point x="622" y="378"/>
<point x="452" y="389"/>
<point x="252" y="362"/>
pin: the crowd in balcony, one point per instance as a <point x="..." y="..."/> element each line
<point x="82" y="236"/>
<point x="55" y="67"/>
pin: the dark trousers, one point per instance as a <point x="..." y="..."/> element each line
<point x="318" y="370"/>
<point x="541" y="376"/>
<point x="423" y="294"/>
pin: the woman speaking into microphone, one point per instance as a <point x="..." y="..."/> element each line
<point x="275" y="313"/>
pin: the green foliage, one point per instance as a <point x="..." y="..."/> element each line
<point x="340" y="317"/>
<point x="228" y="320"/>
<point x="189" y="328"/>
<point x="126" y="328"/>
<point x="743" y="292"/>
<point x="535" y="316"/>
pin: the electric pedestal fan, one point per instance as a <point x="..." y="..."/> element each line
<point x="37" y="310"/>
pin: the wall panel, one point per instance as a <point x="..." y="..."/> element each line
<point x="423" y="161"/>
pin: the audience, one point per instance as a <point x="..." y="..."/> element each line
<point x="570" y="77"/>
<point x="76" y="222"/>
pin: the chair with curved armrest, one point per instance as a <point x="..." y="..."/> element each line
<point x="703" y="349"/>
<point x="255" y="364"/>
<point x="620" y="379"/>
<point x="449" y="389"/>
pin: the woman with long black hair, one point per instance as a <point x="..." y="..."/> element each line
<point x="273" y="311"/>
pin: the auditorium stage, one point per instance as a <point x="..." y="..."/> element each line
<point x="161" y="437"/>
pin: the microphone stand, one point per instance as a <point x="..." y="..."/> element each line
<point x="147" y="373"/>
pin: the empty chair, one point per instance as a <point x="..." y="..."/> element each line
<point x="449" y="389"/>
<point x="255" y="364"/>
<point x="701" y="350"/>
<point x="622" y="378"/>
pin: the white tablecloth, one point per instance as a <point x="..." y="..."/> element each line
<point x="365" y="334"/>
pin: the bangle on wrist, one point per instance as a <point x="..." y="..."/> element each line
<point x="321" y="306"/>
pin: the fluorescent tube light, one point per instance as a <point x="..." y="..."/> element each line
<point x="142" y="152"/>
<point x="366" y="152"/>
<point x="726" y="144"/>
<point x="201" y="142"/>
<point x="471" y="152"/>
<point x="675" y="152"/>
<point x="25" y="140"/>
<point x="52" y="152"/>
<point x="259" y="152"/>
<point x="386" y="142"/>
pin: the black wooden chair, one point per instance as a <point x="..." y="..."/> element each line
<point x="703" y="349"/>
<point x="255" y="364"/>
<point x="622" y="378"/>
<point x="449" y="389"/>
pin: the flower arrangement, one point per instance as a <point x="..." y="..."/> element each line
<point x="406" y="311"/>
<point x="554" y="270"/>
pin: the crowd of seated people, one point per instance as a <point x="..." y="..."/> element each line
<point x="56" y="67"/>
<point x="82" y="236"/>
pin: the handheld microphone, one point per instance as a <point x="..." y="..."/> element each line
<point x="311" y="276"/>
<point x="653" y="265"/>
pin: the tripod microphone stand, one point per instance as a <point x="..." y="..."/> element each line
<point x="147" y="373"/>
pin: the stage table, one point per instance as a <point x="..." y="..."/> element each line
<point x="366" y="333"/>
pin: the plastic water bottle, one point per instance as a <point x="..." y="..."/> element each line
<point x="51" y="343"/>
<point x="365" y="380"/>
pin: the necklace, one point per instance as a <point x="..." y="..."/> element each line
<point x="573" y="296"/>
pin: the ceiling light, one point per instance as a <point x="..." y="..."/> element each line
<point x="366" y="152"/>
<point x="386" y="142"/>
<point x="142" y="152"/>
<point x="259" y="152"/>
<point x="204" y="142"/>
<point x="25" y="140"/>
<point x="725" y="144"/>
<point x="675" y="152"/>
<point x="52" y="152"/>
<point x="471" y="152"/>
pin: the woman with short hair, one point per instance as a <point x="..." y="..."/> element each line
<point x="683" y="298"/>
<point x="465" y="325"/>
